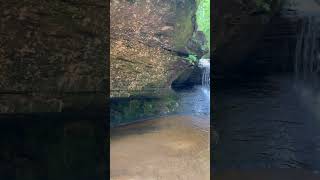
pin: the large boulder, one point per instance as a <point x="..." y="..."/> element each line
<point x="149" y="41"/>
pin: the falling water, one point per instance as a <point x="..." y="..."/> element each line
<point x="307" y="57"/>
<point x="205" y="65"/>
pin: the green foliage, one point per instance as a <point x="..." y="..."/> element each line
<point x="203" y="18"/>
<point x="264" y="5"/>
<point x="192" y="58"/>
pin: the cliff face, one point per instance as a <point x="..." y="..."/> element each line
<point x="52" y="55"/>
<point x="148" y="42"/>
<point x="238" y="25"/>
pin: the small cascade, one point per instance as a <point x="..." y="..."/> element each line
<point x="307" y="55"/>
<point x="205" y="65"/>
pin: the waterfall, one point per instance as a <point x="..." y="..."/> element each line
<point x="205" y="65"/>
<point x="307" y="55"/>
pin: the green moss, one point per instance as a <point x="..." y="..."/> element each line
<point x="150" y="108"/>
<point x="130" y="110"/>
<point x="184" y="25"/>
<point x="133" y="109"/>
<point x="170" y="102"/>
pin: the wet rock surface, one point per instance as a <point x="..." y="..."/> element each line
<point x="129" y="110"/>
<point x="193" y="101"/>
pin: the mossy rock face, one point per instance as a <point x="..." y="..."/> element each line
<point x="128" y="110"/>
<point x="185" y="24"/>
<point x="149" y="42"/>
<point x="198" y="44"/>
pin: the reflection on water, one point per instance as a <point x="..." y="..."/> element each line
<point x="268" y="174"/>
<point x="52" y="146"/>
<point x="194" y="101"/>
<point x="267" y="123"/>
<point x="170" y="148"/>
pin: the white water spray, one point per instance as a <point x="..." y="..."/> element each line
<point x="205" y="65"/>
<point x="307" y="57"/>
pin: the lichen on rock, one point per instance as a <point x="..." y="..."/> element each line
<point x="149" y="41"/>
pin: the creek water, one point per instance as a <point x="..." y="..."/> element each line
<point x="195" y="100"/>
<point x="174" y="146"/>
<point x="60" y="145"/>
<point x="274" y="121"/>
<point x="270" y="122"/>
